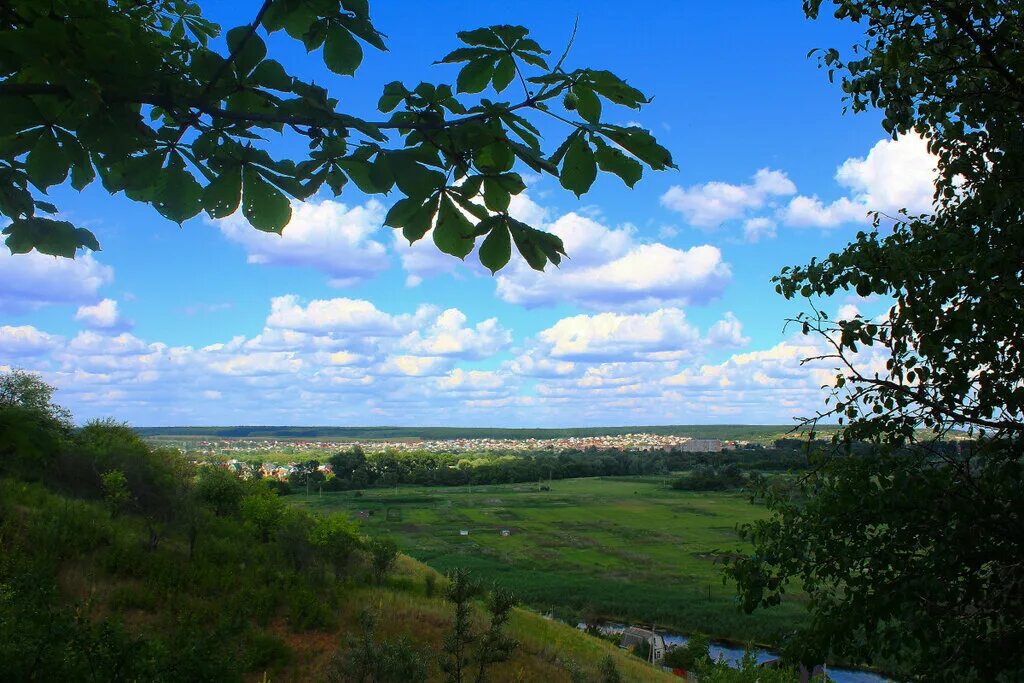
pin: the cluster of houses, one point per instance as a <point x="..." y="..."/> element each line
<point x="311" y="448"/>
<point x="266" y="470"/>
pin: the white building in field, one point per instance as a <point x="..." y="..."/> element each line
<point x="633" y="636"/>
<point x="701" y="446"/>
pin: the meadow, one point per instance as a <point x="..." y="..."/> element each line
<point x="615" y="548"/>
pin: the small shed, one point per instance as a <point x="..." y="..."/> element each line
<point x="633" y="636"/>
<point x="464" y="532"/>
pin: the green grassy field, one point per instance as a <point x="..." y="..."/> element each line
<point x="624" y="548"/>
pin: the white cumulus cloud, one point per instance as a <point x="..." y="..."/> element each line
<point x="102" y="316"/>
<point x="715" y="202"/>
<point x="609" y="268"/>
<point x="895" y="174"/>
<point x="341" y="241"/>
<point x="33" y="280"/>
<point x="17" y="341"/>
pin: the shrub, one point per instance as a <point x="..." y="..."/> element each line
<point x="219" y="490"/>
<point x="115" y="492"/>
<point x="263" y="511"/>
<point x="609" y="672"/>
<point x="693" y="656"/>
<point x="336" y="538"/>
<point x="708" y="478"/>
<point x="293" y="539"/>
<point x="308" y="611"/>
<point x="388" y="661"/>
<point x="262" y="651"/>
<point x="383" y="553"/>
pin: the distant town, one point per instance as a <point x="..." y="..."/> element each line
<point x="624" y="442"/>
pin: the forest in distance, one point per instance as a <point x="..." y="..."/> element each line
<point x="738" y="432"/>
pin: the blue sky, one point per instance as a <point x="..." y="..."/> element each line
<point x="664" y="312"/>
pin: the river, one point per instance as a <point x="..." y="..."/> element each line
<point x="732" y="655"/>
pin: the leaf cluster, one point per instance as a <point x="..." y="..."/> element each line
<point x="188" y="128"/>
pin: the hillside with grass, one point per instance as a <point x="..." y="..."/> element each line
<point x="85" y="597"/>
<point x="124" y="562"/>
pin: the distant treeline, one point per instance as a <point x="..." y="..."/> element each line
<point x="724" y="432"/>
<point x="355" y="469"/>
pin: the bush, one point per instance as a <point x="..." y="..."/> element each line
<point x="708" y="478"/>
<point x="263" y="511"/>
<point x="293" y="539"/>
<point x="609" y="672"/>
<point x="219" y="490"/>
<point x="336" y="539"/>
<point x="693" y="656"/>
<point x="388" y="661"/>
<point x="308" y="611"/>
<point x="262" y="651"/>
<point x="383" y="553"/>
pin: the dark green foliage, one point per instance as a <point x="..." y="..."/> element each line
<point x="115" y="491"/>
<point x="204" y="605"/>
<point x="428" y="468"/>
<point x="308" y="609"/>
<point x="462" y="644"/>
<point x="709" y="478"/>
<point x="263" y="512"/>
<point x="219" y="490"/>
<point x="186" y="128"/>
<point x="292" y="535"/>
<point x="609" y="672"/>
<point x="911" y="554"/>
<point x="336" y="539"/>
<point x="691" y="657"/>
<point x="32" y="426"/>
<point x="383" y="553"/>
<point x="460" y="592"/>
<point x="495" y="645"/>
<point x="368" y="661"/>
<point x="27" y="391"/>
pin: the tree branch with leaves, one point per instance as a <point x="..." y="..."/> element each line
<point x="189" y="129"/>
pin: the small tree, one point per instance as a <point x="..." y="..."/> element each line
<point x="389" y="661"/>
<point x="336" y="538"/>
<point x="263" y="511"/>
<point x="28" y="391"/>
<point x="495" y="645"/>
<point x="383" y="553"/>
<point x="220" y="490"/>
<point x="461" y="589"/>
<point x="293" y="537"/>
<point x="116" y="494"/>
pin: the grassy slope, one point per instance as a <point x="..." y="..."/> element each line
<point x="105" y="569"/>
<point x="626" y="548"/>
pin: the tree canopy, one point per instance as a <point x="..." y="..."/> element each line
<point x="192" y="124"/>
<point x="911" y="553"/>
